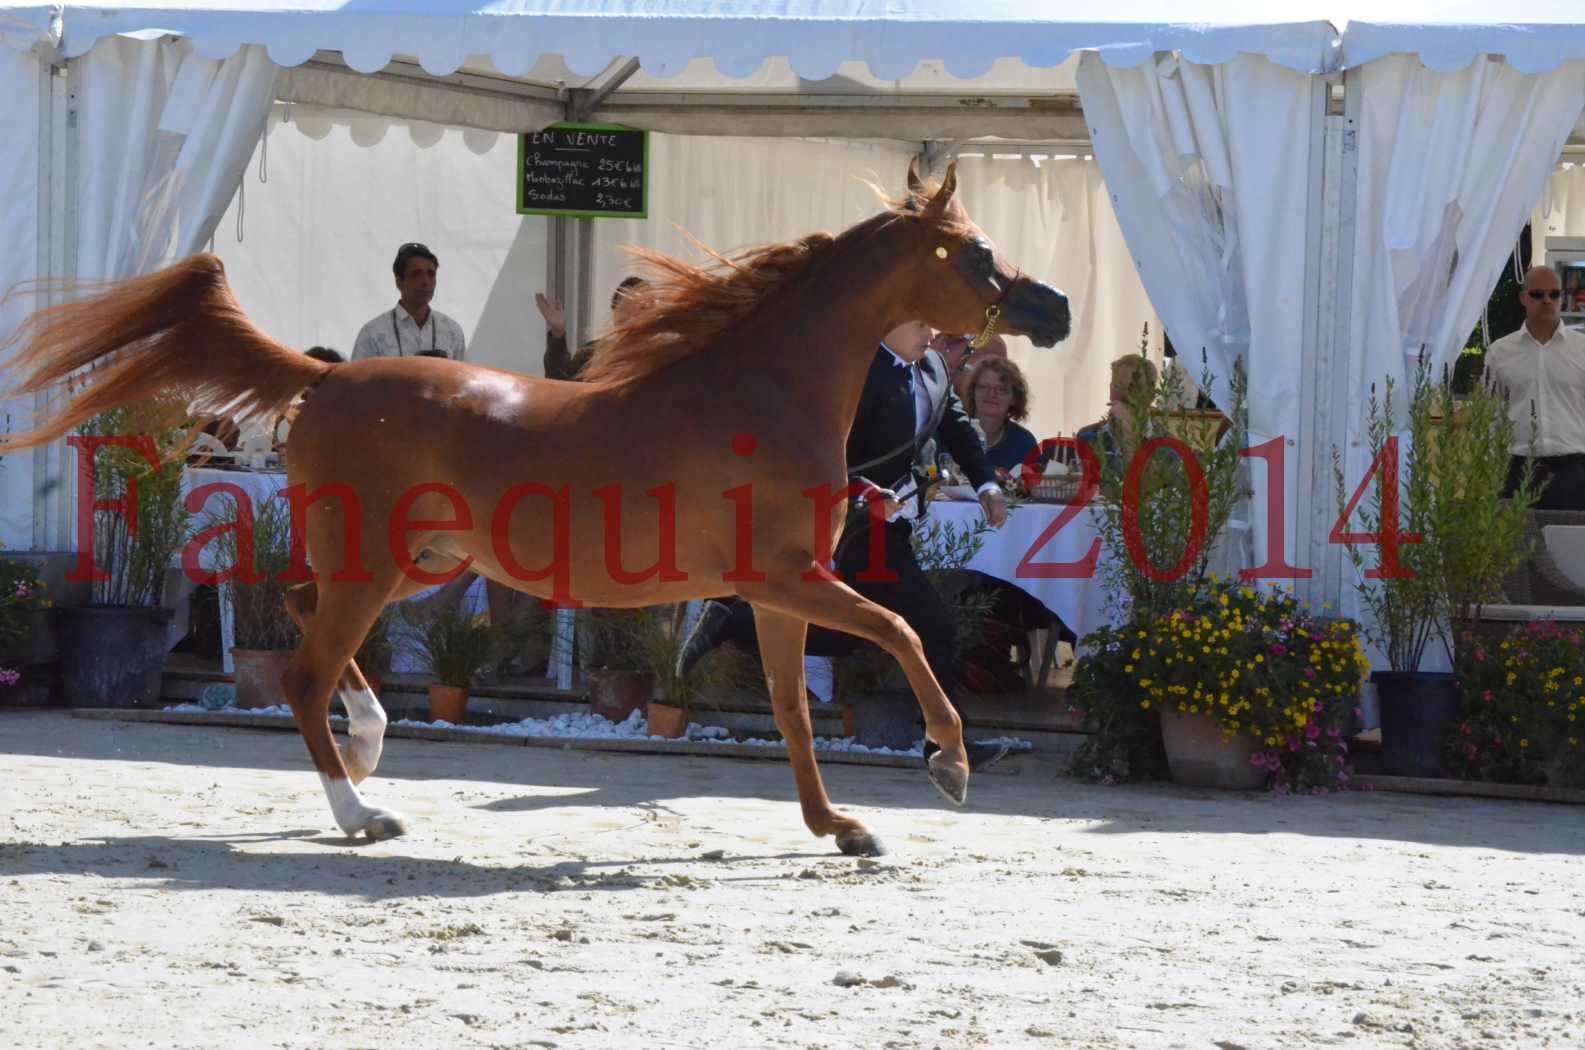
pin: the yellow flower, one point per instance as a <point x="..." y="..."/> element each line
<point x="1144" y="683"/>
<point x="1524" y="743"/>
<point x="1145" y="704"/>
<point x="1128" y="668"/>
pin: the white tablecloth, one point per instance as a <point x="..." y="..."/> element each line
<point x="1079" y="603"/>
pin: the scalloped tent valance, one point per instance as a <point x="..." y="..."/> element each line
<point x="665" y="35"/>
<point x="1447" y="35"/>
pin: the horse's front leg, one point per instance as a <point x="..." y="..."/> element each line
<point x="832" y="603"/>
<point x="781" y="646"/>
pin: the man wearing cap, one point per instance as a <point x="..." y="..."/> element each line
<point x="411" y="328"/>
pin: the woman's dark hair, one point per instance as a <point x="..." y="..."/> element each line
<point x="627" y="282"/>
<point x="411" y="250"/>
<point x="324" y="353"/>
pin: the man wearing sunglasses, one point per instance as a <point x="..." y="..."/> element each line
<point x="411" y="328"/>
<point x="1543" y="365"/>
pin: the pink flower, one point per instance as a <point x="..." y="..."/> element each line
<point x="1316" y="705"/>
<point x="1471" y="752"/>
<point x="1464" y="728"/>
<point x="1293" y="745"/>
<point x="1486" y="696"/>
<point x="1480" y="656"/>
<point x="23" y="590"/>
<point x="9" y="677"/>
<point x="1309" y="672"/>
<point x="1279" y="649"/>
<point x="1334" y="732"/>
<point x="1311" y="730"/>
<point x="1258" y="760"/>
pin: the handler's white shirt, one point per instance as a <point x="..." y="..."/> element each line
<point x="394" y="333"/>
<point x="1550" y="374"/>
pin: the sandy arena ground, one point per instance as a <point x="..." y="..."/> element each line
<point x="165" y="886"/>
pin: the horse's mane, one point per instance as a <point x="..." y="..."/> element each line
<point x="685" y="307"/>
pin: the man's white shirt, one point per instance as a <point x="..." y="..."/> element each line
<point x="923" y="410"/>
<point x="1550" y="375"/>
<point x="394" y="333"/>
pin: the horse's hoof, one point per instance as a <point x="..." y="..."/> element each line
<point x="861" y="844"/>
<point x="951" y="781"/>
<point x="385" y="826"/>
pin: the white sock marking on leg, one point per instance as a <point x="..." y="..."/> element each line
<point x="366" y="727"/>
<point x="351" y="814"/>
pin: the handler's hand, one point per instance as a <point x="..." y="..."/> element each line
<point x="995" y="507"/>
<point x="554" y="314"/>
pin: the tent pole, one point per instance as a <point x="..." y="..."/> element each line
<point x="1329" y="393"/>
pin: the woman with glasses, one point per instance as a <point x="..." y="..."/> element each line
<point x="996" y="396"/>
<point x="1543" y="365"/>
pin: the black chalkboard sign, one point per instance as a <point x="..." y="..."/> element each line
<point x="592" y="171"/>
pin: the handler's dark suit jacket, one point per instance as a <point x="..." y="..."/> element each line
<point x="886" y="419"/>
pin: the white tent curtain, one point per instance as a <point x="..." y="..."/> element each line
<point x="164" y="136"/>
<point x="329" y="198"/>
<point x="1450" y="165"/>
<point x="1561" y="210"/>
<point x="19" y="217"/>
<point x="1054" y="219"/>
<point x="1209" y="170"/>
<point x="734" y="193"/>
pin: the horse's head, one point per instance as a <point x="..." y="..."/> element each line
<point x="966" y="286"/>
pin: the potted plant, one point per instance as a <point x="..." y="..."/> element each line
<point x="113" y="650"/>
<point x="456" y="646"/>
<point x="1522" y="717"/>
<point x="26" y="635"/>
<point x="1446" y="539"/>
<point x="619" y="682"/>
<point x="651" y="638"/>
<point x="1166" y="532"/>
<point x="1247" y="684"/>
<point x="264" y="635"/>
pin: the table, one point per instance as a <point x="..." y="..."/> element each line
<point x="1079" y="602"/>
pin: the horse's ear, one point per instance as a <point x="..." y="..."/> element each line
<point x="914" y="184"/>
<point x="943" y="197"/>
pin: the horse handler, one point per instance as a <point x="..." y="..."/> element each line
<point x="907" y="400"/>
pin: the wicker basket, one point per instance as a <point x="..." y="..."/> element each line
<point x="1061" y="489"/>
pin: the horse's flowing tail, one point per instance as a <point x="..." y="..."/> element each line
<point x="173" y="345"/>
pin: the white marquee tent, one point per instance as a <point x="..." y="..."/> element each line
<point x="1319" y="203"/>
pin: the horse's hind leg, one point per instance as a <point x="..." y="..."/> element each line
<point x="341" y="617"/>
<point x="781" y="646"/>
<point x="366" y="719"/>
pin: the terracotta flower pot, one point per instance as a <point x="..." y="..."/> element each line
<point x="850" y="723"/>
<point x="617" y="694"/>
<point x="448" y="703"/>
<point x="1200" y="756"/>
<point x="258" y="676"/>
<point x="667" y="721"/>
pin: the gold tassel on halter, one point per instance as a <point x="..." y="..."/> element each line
<point x="993" y="314"/>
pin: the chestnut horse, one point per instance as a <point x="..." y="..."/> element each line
<point x="706" y="448"/>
